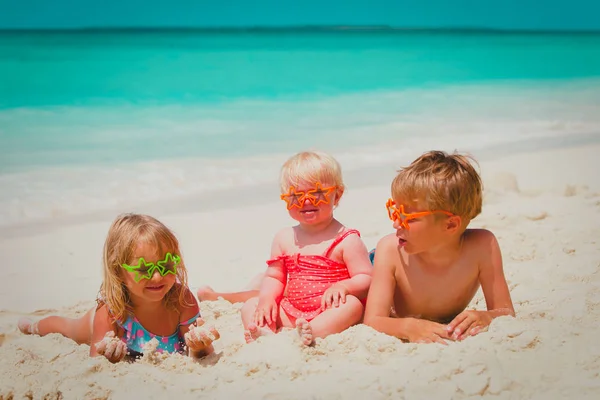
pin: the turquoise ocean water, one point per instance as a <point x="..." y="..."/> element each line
<point x="102" y="119"/>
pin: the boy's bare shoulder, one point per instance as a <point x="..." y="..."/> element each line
<point x="477" y="237"/>
<point x="481" y="243"/>
<point x="388" y="241"/>
<point x="387" y="245"/>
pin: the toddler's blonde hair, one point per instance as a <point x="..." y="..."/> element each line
<point x="310" y="167"/>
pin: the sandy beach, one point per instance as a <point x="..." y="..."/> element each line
<point x="543" y="205"/>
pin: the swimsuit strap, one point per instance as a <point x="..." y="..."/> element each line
<point x="339" y="239"/>
<point x="191" y="320"/>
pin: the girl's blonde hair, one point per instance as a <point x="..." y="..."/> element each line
<point x="310" y="167"/>
<point x="124" y="235"/>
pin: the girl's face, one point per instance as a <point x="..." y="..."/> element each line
<point x="315" y="206"/>
<point x="157" y="286"/>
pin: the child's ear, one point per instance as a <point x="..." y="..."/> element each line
<point x="338" y="194"/>
<point x="453" y="223"/>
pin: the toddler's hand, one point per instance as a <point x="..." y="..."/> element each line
<point x="468" y="323"/>
<point x="199" y="339"/>
<point x="424" y="331"/>
<point x="111" y="347"/>
<point x="333" y="296"/>
<point x="266" y="313"/>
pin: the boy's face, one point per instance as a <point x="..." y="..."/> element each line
<point x="417" y="230"/>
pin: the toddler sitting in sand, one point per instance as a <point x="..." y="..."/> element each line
<point x="144" y="298"/>
<point x="319" y="269"/>
<point x="431" y="267"/>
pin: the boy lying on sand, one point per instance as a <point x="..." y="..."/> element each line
<point x="429" y="270"/>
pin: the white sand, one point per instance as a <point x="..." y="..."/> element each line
<point x="544" y="207"/>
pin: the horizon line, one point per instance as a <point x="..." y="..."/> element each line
<point x="306" y="28"/>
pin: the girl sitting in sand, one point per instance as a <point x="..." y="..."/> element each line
<point x="319" y="269"/>
<point x="144" y="296"/>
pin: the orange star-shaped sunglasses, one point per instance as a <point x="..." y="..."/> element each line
<point x="316" y="196"/>
<point x="396" y="213"/>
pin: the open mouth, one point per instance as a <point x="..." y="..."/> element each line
<point x="401" y="241"/>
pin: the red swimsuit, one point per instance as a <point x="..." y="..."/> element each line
<point x="308" y="277"/>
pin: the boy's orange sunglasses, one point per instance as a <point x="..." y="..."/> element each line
<point x="316" y="196"/>
<point x="396" y="213"/>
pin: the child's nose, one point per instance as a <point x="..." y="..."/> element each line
<point x="397" y="224"/>
<point x="156" y="276"/>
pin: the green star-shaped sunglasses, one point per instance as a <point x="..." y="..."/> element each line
<point x="145" y="270"/>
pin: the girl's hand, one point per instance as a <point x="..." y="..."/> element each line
<point x="111" y="347"/>
<point x="266" y="313"/>
<point x="469" y="323"/>
<point x="199" y="339"/>
<point x="333" y="296"/>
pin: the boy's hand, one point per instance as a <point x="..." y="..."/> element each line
<point x="468" y="323"/>
<point x="199" y="339"/>
<point x="266" y="313"/>
<point x="424" y="331"/>
<point x="333" y="296"/>
<point x="111" y="347"/>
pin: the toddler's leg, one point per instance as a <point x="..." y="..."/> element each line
<point x="77" y="329"/>
<point x="333" y="320"/>
<point x="251" y="331"/>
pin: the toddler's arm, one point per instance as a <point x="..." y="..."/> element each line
<point x="271" y="288"/>
<point x="272" y="285"/>
<point x="356" y="258"/>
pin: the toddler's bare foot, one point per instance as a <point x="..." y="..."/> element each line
<point x="206" y="293"/>
<point x="27" y="326"/>
<point x="252" y="333"/>
<point x="304" y="331"/>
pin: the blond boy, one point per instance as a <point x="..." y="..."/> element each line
<point x="429" y="270"/>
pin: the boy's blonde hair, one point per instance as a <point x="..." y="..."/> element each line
<point x="124" y="235"/>
<point x="442" y="181"/>
<point x="310" y="167"/>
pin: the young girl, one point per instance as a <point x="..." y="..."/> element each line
<point x="319" y="269"/>
<point x="144" y="295"/>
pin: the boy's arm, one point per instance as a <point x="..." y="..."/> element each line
<point x="356" y="258"/>
<point x="491" y="276"/>
<point x="381" y="300"/>
<point x="494" y="287"/>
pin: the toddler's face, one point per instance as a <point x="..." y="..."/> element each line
<point x="311" y="203"/>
